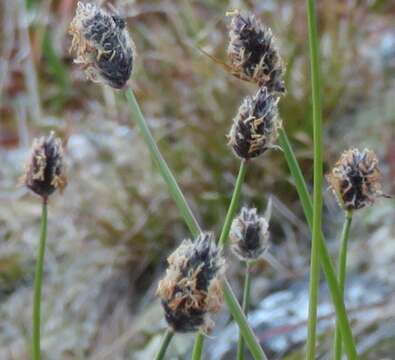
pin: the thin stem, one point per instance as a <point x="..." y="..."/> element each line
<point x="237" y="313"/>
<point x="249" y="337"/>
<point x="165" y="171"/>
<point x="165" y="344"/>
<point x="342" y="263"/>
<point x="197" y="349"/>
<point x="318" y="178"/>
<point x="198" y="346"/>
<point x="246" y="303"/>
<point x="223" y="239"/>
<point x="325" y="258"/>
<point x="36" y="352"/>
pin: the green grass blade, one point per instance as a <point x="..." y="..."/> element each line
<point x="223" y="239"/>
<point x="165" y="344"/>
<point x="318" y="179"/>
<point x="237" y="313"/>
<point x="36" y="338"/>
<point x="198" y="346"/>
<point x="245" y="305"/>
<point x="326" y="262"/>
<point x="166" y="173"/>
<point x="342" y="267"/>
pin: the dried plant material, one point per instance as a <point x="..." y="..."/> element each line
<point x="102" y="45"/>
<point x="191" y="289"/>
<point x="253" y="53"/>
<point x="255" y="128"/>
<point x="249" y="235"/>
<point x="44" y="171"/>
<point x="355" y="179"/>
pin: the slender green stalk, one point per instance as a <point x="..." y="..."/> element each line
<point x="326" y="262"/>
<point x="318" y="179"/>
<point x="165" y="344"/>
<point x="246" y="303"/>
<point x="223" y="239"/>
<point x="198" y="346"/>
<point x="342" y="263"/>
<point x="249" y="337"/>
<point x="36" y="349"/>
<point x="166" y="173"/>
<point x="237" y="313"/>
<point x="197" y="349"/>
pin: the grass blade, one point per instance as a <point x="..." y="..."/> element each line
<point x="318" y="179"/>
<point x="36" y="338"/>
<point x="165" y="344"/>
<point x="342" y="266"/>
<point x="326" y="262"/>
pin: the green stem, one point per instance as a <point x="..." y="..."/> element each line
<point x="318" y="178"/>
<point x="36" y="352"/>
<point x="237" y="313"/>
<point x="165" y="344"/>
<point x="197" y="349"/>
<point x="178" y="197"/>
<point x="198" y="346"/>
<point x="246" y="302"/>
<point x="223" y="239"/>
<point x="326" y="262"/>
<point x="166" y="173"/>
<point x="342" y="263"/>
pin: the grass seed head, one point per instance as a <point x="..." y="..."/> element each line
<point x="44" y="171"/>
<point x="356" y="179"/>
<point x="249" y="235"/>
<point x="255" y="127"/>
<point x="102" y="45"/>
<point x="253" y="53"/>
<point x="191" y="289"/>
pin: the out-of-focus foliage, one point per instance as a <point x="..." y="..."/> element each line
<point x="111" y="231"/>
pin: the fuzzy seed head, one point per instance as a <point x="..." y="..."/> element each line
<point x="102" y="45"/>
<point x="44" y="171"/>
<point x="191" y="289"/>
<point x="249" y="235"/>
<point x="253" y="53"/>
<point x="255" y="127"/>
<point x="355" y="179"/>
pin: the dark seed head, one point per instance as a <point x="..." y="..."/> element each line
<point x="255" y="128"/>
<point x="44" y="171"/>
<point x="355" y="179"/>
<point x="102" y="45"/>
<point x="253" y="54"/>
<point x="249" y="235"/>
<point x="190" y="291"/>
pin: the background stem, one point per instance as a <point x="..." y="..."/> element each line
<point x="165" y="344"/>
<point x="342" y="267"/>
<point x="246" y="302"/>
<point x="36" y="352"/>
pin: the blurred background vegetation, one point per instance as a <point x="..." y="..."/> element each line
<point x="111" y="231"/>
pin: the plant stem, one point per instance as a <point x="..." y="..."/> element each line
<point x="223" y="239"/>
<point x="249" y="337"/>
<point x="246" y="302"/>
<point x="165" y="344"/>
<point x="318" y="178"/>
<point x="197" y="349"/>
<point x="325" y="259"/>
<point x="198" y="346"/>
<point x="166" y="173"/>
<point x="342" y="263"/>
<point x="36" y="352"/>
<point x="237" y="313"/>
